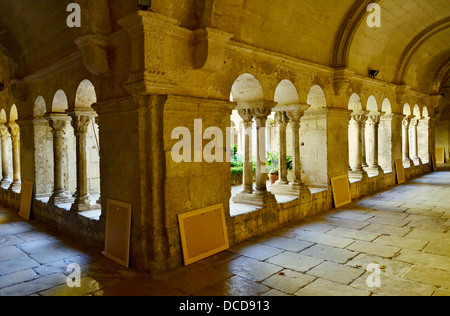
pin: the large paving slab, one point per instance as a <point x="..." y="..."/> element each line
<point x="404" y="231"/>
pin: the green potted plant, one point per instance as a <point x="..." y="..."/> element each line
<point x="273" y="165"/>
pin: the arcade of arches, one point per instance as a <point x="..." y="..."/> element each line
<point x="87" y="113"/>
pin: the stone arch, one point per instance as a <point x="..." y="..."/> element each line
<point x="386" y="106"/>
<point x="3" y="117"/>
<point x="60" y="103"/>
<point x="354" y="102"/>
<point x="407" y="109"/>
<point x="286" y="93"/>
<point x="425" y="112"/>
<point x="416" y="111"/>
<point x="372" y="104"/>
<point x="85" y="95"/>
<point x="39" y="108"/>
<point x="247" y="88"/>
<point x="13" y="114"/>
<point x="317" y="98"/>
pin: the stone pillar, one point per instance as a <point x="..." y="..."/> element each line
<point x="59" y="124"/>
<point x="6" y="171"/>
<point x="424" y="142"/>
<point x="15" y="137"/>
<point x="385" y="142"/>
<point x="358" y="171"/>
<point x="247" y="117"/>
<point x="42" y="143"/>
<point x="295" y="116"/>
<point x="363" y="144"/>
<point x="282" y="121"/>
<point x="261" y="115"/>
<point x="414" y="150"/>
<point x="373" y="124"/>
<point x="81" y="119"/>
<point x="260" y="197"/>
<point x="407" y="162"/>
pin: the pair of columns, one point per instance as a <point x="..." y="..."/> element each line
<point x="284" y="115"/>
<point x="410" y="154"/>
<point x="6" y="132"/>
<point x="367" y="123"/>
<point x="259" y="196"/>
<point x="59" y="122"/>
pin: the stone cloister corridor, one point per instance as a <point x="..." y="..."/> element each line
<point x="401" y="229"/>
<point x="202" y="147"/>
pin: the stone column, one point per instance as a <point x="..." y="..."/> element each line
<point x="6" y="171"/>
<point x="407" y="162"/>
<point x="15" y="136"/>
<point x="414" y="150"/>
<point x="81" y="119"/>
<point x="373" y="123"/>
<point x="59" y="124"/>
<point x="363" y="145"/>
<point x="282" y="120"/>
<point x="247" y="117"/>
<point x="261" y="115"/>
<point x="295" y="115"/>
<point x="260" y="197"/>
<point x="358" y="171"/>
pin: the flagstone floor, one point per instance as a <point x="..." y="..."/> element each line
<point x="405" y="232"/>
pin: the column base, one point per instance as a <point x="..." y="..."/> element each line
<point x="16" y="186"/>
<point x="417" y="161"/>
<point x="358" y="175"/>
<point x="375" y="170"/>
<point x="291" y="189"/>
<point x="61" y="198"/>
<point x="83" y="205"/>
<point x="256" y="199"/>
<point x="5" y="183"/>
<point x="407" y="163"/>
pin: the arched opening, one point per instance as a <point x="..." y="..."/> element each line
<point x="284" y="159"/>
<point x="254" y="111"/>
<point x="64" y="158"/>
<point x="355" y="137"/>
<point x="371" y="138"/>
<point x="6" y="151"/>
<point x="413" y="135"/>
<point x="385" y="157"/>
<point x="87" y="150"/>
<point x="316" y="98"/>
<point x="14" y="149"/>
<point x="39" y="108"/>
<point x="423" y="136"/>
<point x="407" y="162"/>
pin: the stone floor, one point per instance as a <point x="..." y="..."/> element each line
<point x="405" y="231"/>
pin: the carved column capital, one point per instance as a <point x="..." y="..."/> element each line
<point x="4" y="133"/>
<point x="14" y="130"/>
<point x="359" y="117"/>
<point x="282" y="119"/>
<point x="246" y="115"/>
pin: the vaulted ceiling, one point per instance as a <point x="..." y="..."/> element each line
<point x="411" y="47"/>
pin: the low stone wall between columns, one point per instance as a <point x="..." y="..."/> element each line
<point x="80" y="228"/>
<point x="272" y="217"/>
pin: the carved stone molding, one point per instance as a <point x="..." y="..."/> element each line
<point x="148" y="32"/>
<point x="18" y="91"/>
<point x="95" y="53"/>
<point x="342" y="81"/>
<point x="209" y="49"/>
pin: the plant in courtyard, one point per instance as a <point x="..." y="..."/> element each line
<point x="273" y="163"/>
